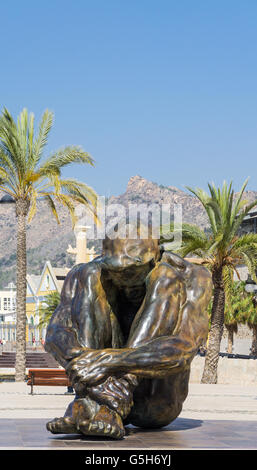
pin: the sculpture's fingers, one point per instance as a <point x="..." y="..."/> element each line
<point x="114" y="389"/>
<point x="93" y="376"/>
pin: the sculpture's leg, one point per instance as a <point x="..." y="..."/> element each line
<point x="157" y="402"/>
<point x="153" y="403"/>
<point x="91" y="415"/>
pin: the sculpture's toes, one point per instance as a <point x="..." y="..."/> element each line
<point x="101" y="428"/>
<point x="62" y="426"/>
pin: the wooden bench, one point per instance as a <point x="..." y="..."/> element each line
<point x="52" y="377"/>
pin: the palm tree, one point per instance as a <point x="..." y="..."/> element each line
<point x="47" y="308"/>
<point x="26" y="176"/>
<point x="252" y="323"/>
<point x="250" y="317"/>
<point x="234" y="311"/>
<point x="221" y="249"/>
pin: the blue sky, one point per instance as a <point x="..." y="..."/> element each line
<point x="161" y="88"/>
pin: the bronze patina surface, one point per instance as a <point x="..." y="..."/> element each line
<point x="127" y="328"/>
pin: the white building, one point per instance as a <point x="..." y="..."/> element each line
<point x="8" y="304"/>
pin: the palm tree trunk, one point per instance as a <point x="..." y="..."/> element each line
<point x="216" y="330"/>
<point x="230" y="338"/>
<point x="21" y="286"/>
<point x="254" y="341"/>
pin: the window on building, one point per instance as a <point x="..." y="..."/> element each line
<point x="9" y="304"/>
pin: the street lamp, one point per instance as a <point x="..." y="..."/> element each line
<point x="7" y="199"/>
<point x="250" y="285"/>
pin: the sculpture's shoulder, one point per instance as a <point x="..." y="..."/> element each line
<point x="183" y="265"/>
<point x="80" y="275"/>
<point x="163" y="274"/>
<point x="195" y="276"/>
<point x="172" y="267"/>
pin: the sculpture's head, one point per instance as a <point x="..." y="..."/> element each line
<point x="130" y="259"/>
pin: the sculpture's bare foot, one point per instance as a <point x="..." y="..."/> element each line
<point x="64" y="425"/>
<point x="106" y="422"/>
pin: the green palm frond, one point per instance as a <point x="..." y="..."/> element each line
<point x="190" y="233"/>
<point x="48" y="307"/>
<point x="194" y="240"/>
<point x="236" y="301"/>
<point x="81" y="192"/>
<point x="40" y="141"/>
<point x="64" y="157"/>
<point x="250" y="265"/>
<point x="7" y="164"/>
<point x="193" y="232"/>
<point x="223" y="210"/>
<point x="246" y="239"/>
<point x="195" y="247"/>
<point x="4" y="175"/>
<point x="22" y="131"/>
<point x="22" y="175"/>
<point x="67" y="202"/>
<point x="248" y="311"/>
<point x="205" y="200"/>
<point x="33" y="204"/>
<point x="11" y="144"/>
<point x="244" y="249"/>
<point x="50" y="202"/>
<point x="239" y="217"/>
<point x="239" y="202"/>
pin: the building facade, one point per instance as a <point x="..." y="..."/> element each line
<point x="8" y="313"/>
<point x="38" y="287"/>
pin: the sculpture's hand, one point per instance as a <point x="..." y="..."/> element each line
<point x="88" y="369"/>
<point x="115" y="393"/>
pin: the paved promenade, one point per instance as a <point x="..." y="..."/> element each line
<point x="213" y="417"/>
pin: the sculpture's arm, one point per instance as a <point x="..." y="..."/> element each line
<point x="66" y="336"/>
<point x="61" y="339"/>
<point x="179" y="303"/>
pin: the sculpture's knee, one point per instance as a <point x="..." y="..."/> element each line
<point x="158" y="402"/>
<point x="154" y="419"/>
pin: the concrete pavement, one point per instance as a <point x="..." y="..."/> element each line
<point x="213" y="416"/>
<point x="233" y="402"/>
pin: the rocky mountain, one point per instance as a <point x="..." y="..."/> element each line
<point x="141" y="191"/>
<point x="46" y="240"/>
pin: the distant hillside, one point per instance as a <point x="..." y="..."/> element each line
<point x="46" y="240"/>
<point x="140" y="190"/>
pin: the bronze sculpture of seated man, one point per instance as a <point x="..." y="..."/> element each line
<point x="127" y="328"/>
